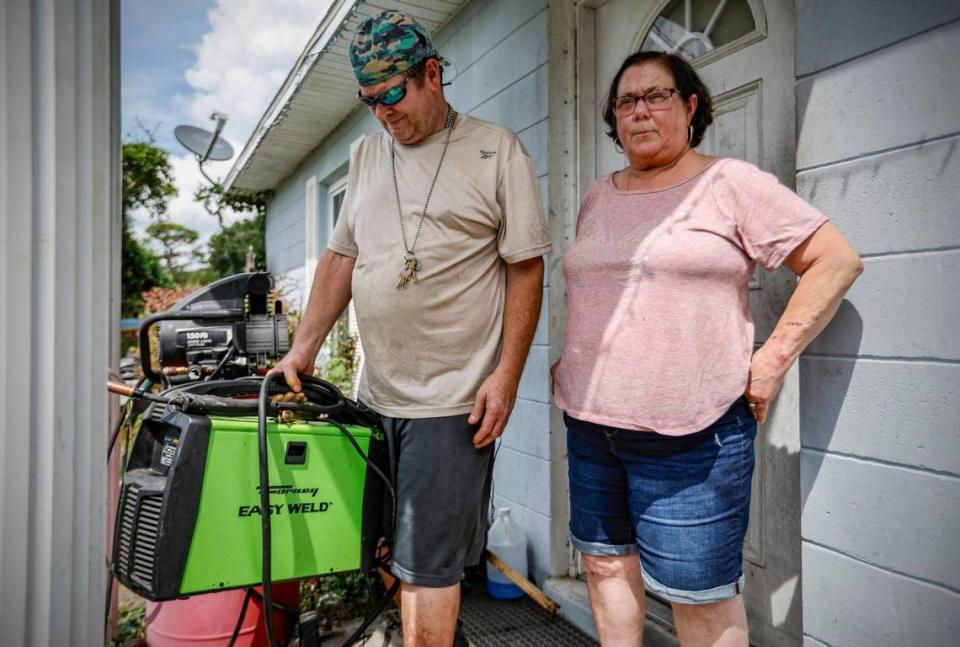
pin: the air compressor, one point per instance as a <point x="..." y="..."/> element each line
<point x="232" y="480"/>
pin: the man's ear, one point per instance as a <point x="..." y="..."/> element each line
<point x="434" y="77"/>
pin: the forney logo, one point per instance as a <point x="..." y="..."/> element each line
<point x="289" y="489"/>
<point x="289" y="507"/>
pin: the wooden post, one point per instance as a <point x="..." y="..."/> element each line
<point x="525" y="585"/>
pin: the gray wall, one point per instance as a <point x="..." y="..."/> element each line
<point x="499" y="49"/>
<point x="59" y="250"/>
<point x="878" y="130"/>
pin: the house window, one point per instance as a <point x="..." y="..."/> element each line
<point x="694" y="28"/>
<point x="336" y="193"/>
<point x="311" y="243"/>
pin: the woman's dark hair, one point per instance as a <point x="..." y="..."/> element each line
<point x="687" y="81"/>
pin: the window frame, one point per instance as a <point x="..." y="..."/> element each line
<point x="759" y="32"/>
<point x="334" y="190"/>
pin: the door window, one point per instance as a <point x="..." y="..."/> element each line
<point x="694" y="28"/>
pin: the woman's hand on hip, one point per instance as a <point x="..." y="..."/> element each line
<point x="764" y="382"/>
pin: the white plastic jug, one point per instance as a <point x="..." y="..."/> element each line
<point x="507" y="541"/>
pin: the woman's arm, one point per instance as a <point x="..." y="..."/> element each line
<point x="827" y="266"/>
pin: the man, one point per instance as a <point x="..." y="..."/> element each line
<point x="439" y="243"/>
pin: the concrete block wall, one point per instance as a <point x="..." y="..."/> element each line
<point x="499" y="48"/>
<point x="499" y="51"/>
<point x="878" y="131"/>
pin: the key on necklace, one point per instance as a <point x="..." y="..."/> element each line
<point x="409" y="272"/>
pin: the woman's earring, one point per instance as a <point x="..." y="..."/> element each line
<point x="690" y="134"/>
<point x="618" y="146"/>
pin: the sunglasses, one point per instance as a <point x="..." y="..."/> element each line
<point x="390" y="96"/>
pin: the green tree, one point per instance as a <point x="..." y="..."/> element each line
<point x="147" y="182"/>
<point x="147" y="179"/>
<point x="141" y="270"/>
<point x="176" y="241"/>
<point x="228" y="248"/>
<point x="227" y="252"/>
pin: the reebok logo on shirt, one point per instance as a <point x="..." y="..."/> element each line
<point x="485" y="155"/>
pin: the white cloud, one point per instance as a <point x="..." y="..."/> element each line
<point x="183" y="209"/>
<point x="241" y="63"/>
<point x="244" y="58"/>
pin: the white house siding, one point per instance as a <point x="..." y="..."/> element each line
<point x="499" y="49"/>
<point x="59" y="244"/>
<point x="878" y="129"/>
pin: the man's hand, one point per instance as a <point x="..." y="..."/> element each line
<point x="298" y="360"/>
<point x="766" y="378"/>
<point x="493" y="405"/>
<point x="521" y="309"/>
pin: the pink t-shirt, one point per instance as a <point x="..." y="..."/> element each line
<point x="659" y="331"/>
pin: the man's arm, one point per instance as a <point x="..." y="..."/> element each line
<point x="329" y="295"/>
<point x="497" y="394"/>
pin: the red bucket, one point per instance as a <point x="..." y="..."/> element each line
<point x="209" y="619"/>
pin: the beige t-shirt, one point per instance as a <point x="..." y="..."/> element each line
<point x="430" y="345"/>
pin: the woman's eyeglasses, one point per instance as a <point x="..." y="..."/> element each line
<point x="390" y="96"/>
<point x="656" y="99"/>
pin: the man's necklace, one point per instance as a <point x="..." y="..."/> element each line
<point x="411" y="265"/>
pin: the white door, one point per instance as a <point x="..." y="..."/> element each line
<point x="743" y="51"/>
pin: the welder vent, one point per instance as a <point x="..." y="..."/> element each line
<point x="145" y="541"/>
<point x="159" y="408"/>
<point x="128" y="513"/>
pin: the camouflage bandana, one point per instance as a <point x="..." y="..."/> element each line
<point x="388" y="44"/>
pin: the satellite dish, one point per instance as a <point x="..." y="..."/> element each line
<point x="204" y="144"/>
<point x="198" y="141"/>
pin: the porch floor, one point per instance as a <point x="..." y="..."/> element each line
<point x="488" y="622"/>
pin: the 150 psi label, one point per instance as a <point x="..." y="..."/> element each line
<point x="202" y="338"/>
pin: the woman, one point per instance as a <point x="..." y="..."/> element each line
<point x="660" y="389"/>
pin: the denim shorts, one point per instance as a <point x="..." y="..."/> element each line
<point x="681" y="502"/>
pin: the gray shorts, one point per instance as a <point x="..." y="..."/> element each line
<point x="443" y="494"/>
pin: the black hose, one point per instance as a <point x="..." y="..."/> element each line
<point x="392" y="459"/>
<point x="276" y="605"/>
<point x="370" y="464"/>
<point x="116" y="431"/>
<point x="243" y="612"/>
<point x="263" y="403"/>
<point x="142" y="385"/>
<point x="251" y="592"/>
<point x="106" y="604"/>
<point x="377" y="610"/>
<point x="265" y="505"/>
<point x="226" y="357"/>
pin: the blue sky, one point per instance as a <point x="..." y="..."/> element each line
<point x="158" y="45"/>
<point x="181" y="60"/>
